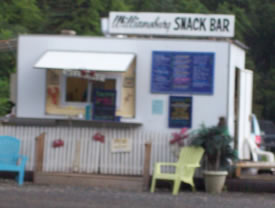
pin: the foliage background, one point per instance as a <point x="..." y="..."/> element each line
<point x="255" y="26"/>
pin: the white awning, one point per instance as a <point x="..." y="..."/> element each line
<point x="72" y="60"/>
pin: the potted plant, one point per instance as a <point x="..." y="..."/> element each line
<point x="218" y="155"/>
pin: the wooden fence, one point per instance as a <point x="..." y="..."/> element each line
<point x="82" y="154"/>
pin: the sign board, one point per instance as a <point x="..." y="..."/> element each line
<point x="90" y="75"/>
<point x="121" y="145"/>
<point x="180" y="112"/>
<point x="171" y="24"/>
<point x="182" y="72"/>
<point x="157" y="107"/>
<point x="104" y="102"/>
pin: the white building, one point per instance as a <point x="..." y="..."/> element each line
<point x="147" y="83"/>
<point x="50" y="85"/>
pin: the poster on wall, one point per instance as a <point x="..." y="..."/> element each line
<point x="104" y="104"/>
<point x="182" y="72"/>
<point x="180" y="112"/>
<point x="157" y="107"/>
<point x="121" y="145"/>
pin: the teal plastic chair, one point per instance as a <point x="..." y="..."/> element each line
<point x="10" y="160"/>
<point x="189" y="160"/>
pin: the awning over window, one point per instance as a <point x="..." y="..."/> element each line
<point x="68" y="60"/>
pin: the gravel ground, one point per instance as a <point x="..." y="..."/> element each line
<point x="40" y="196"/>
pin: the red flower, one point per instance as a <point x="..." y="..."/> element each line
<point x="99" y="137"/>
<point x="92" y="73"/>
<point x="183" y="130"/>
<point x="179" y="137"/>
<point x="83" y="73"/>
<point x="58" y="143"/>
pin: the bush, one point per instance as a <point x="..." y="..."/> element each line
<point x="217" y="145"/>
<point x="5" y="104"/>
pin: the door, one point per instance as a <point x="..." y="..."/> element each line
<point x="244" y="112"/>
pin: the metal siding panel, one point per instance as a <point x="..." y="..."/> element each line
<point x="93" y="155"/>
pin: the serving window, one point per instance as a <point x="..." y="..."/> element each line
<point x="79" y="90"/>
<point x="77" y="79"/>
<point x="69" y="95"/>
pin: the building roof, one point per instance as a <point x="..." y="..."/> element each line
<point x="8" y="45"/>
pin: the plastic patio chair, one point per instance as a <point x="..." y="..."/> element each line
<point x="10" y="160"/>
<point x="189" y="160"/>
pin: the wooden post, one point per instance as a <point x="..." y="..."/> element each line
<point x="238" y="172"/>
<point x="76" y="161"/>
<point x="147" y="162"/>
<point x="39" y="154"/>
<point x="238" y="169"/>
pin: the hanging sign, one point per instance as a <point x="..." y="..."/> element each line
<point x="171" y="24"/>
<point x="180" y="112"/>
<point x="182" y="72"/>
<point x="90" y="75"/>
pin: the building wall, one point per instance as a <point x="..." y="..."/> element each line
<point x="206" y="108"/>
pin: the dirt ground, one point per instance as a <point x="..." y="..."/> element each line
<point x="42" y="196"/>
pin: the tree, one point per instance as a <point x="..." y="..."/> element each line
<point x="19" y="17"/>
<point x="83" y="16"/>
<point x="15" y="17"/>
<point x="262" y="51"/>
<point x="167" y="6"/>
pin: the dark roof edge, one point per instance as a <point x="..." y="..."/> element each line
<point x="240" y="44"/>
<point x="42" y="122"/>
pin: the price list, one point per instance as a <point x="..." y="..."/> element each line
<point x="182" y="72"/>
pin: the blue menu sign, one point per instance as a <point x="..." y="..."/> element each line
<point x="180" y="112"/>
<point x="182" y="72"/>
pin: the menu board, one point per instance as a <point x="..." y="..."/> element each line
<point x="182" y="72"/>
<point x="104" y="102"/>
<point x="180" y="112"/>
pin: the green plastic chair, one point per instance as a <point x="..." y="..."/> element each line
<point x="189" y="160"/>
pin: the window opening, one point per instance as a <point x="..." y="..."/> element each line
<point x="76" y="89"/>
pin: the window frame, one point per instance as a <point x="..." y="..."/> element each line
<point x="63" y="83"/>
